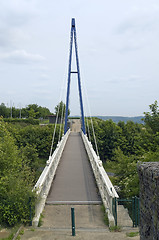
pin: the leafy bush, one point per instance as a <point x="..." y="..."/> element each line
<point x="21" y="121"/>
<point x="124" y="145"/>
<point x="20" y="149"/>
<point x="38" y="136"/>
<point x="16" y="182"/>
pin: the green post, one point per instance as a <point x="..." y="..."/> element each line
<point x="30" y="223"/>
<point x="73" y="221"/>
<point x="115" y="208"/>
<point x="138" y="211"/>
<point x="135" y="211"/>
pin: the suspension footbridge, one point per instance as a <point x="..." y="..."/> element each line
<point x="74" y="182"/>
<point x="74" y="174"/>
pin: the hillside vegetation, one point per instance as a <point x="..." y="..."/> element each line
<point x="23" y="153"/>
<point x="124" y="145"/>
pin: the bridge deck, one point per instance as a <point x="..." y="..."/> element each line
<point x="74" y="182"/>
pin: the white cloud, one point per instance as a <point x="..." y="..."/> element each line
<point x="11" y="38"/>
<point x="123" y="79"/>
<point x="17" y="12"/>
<point x="15" y="17"/>
<point x="44" y="77"/>
<point x="43" y="91"/>
<point x="21" y="57"/>
<point x="42" y="69"/>
<point x="138" y="28"/>
<point x="137" y="25"/>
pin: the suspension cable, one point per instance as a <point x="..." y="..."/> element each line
<point x="62" y="117"/>
<point x="57" y="114"/>
<point x="89" y="136"/>
<point x="94" y="136"/>
<point x="54" y="131"/>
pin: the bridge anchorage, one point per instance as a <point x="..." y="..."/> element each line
<point x="80" y="176"/>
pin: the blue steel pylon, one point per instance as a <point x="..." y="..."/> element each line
<point x="73" y="33"/>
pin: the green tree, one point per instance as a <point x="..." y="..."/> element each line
<point x="15" y="112"/>
<point x="43" y="112"/>
<point x="126" y="176"/>
<point x="4" y="111"/>
<point x="60" y="109"/>
<point x="16" y="181"/>
<point x="152" y="118"/>
<point x="40" y="137"/>
<point x="109" y="137"/>
<point x="32" y="113"/>
<point x="132" y="136"/>
<point x="24" y="113"/>
<point x="30" y="158"/>
<point x="32" y="110"/>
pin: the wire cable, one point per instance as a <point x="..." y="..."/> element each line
<point x="94" y="136"/>
<point x="57" y="114"/>
<point x="87" y="124"/>
<point x="62" y="117"/>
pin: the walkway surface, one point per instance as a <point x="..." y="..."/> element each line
<point x="49" y="234"/>
<point x="74" y="182"/>
<point x="88" y="220"/>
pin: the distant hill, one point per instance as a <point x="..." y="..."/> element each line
<point x="116" y="119"/>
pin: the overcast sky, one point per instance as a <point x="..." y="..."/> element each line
<point x="118" y="44"/>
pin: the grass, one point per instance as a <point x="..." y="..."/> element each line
<point x="18" y="237"/>
<point x="10" y="237"/>
<point x="132" y="234"/>
<point x="32" y="229"/>
<point x="40" y="220"/>
<point x="21" y="232"/>
<point x="10" y="232"/>
<point x="115" y="229"/>
<point x="105" y="216"/>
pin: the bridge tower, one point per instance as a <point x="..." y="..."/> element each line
<point x="73" y="37"/>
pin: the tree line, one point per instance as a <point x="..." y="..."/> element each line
<point x="124" y="145"/>
<point x="31" y="111"/>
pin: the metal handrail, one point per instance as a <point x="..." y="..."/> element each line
<point x="106" y="188"/>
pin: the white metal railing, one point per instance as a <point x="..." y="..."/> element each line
<point x="44" y="182"/>
<point x="106" y="189"/>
